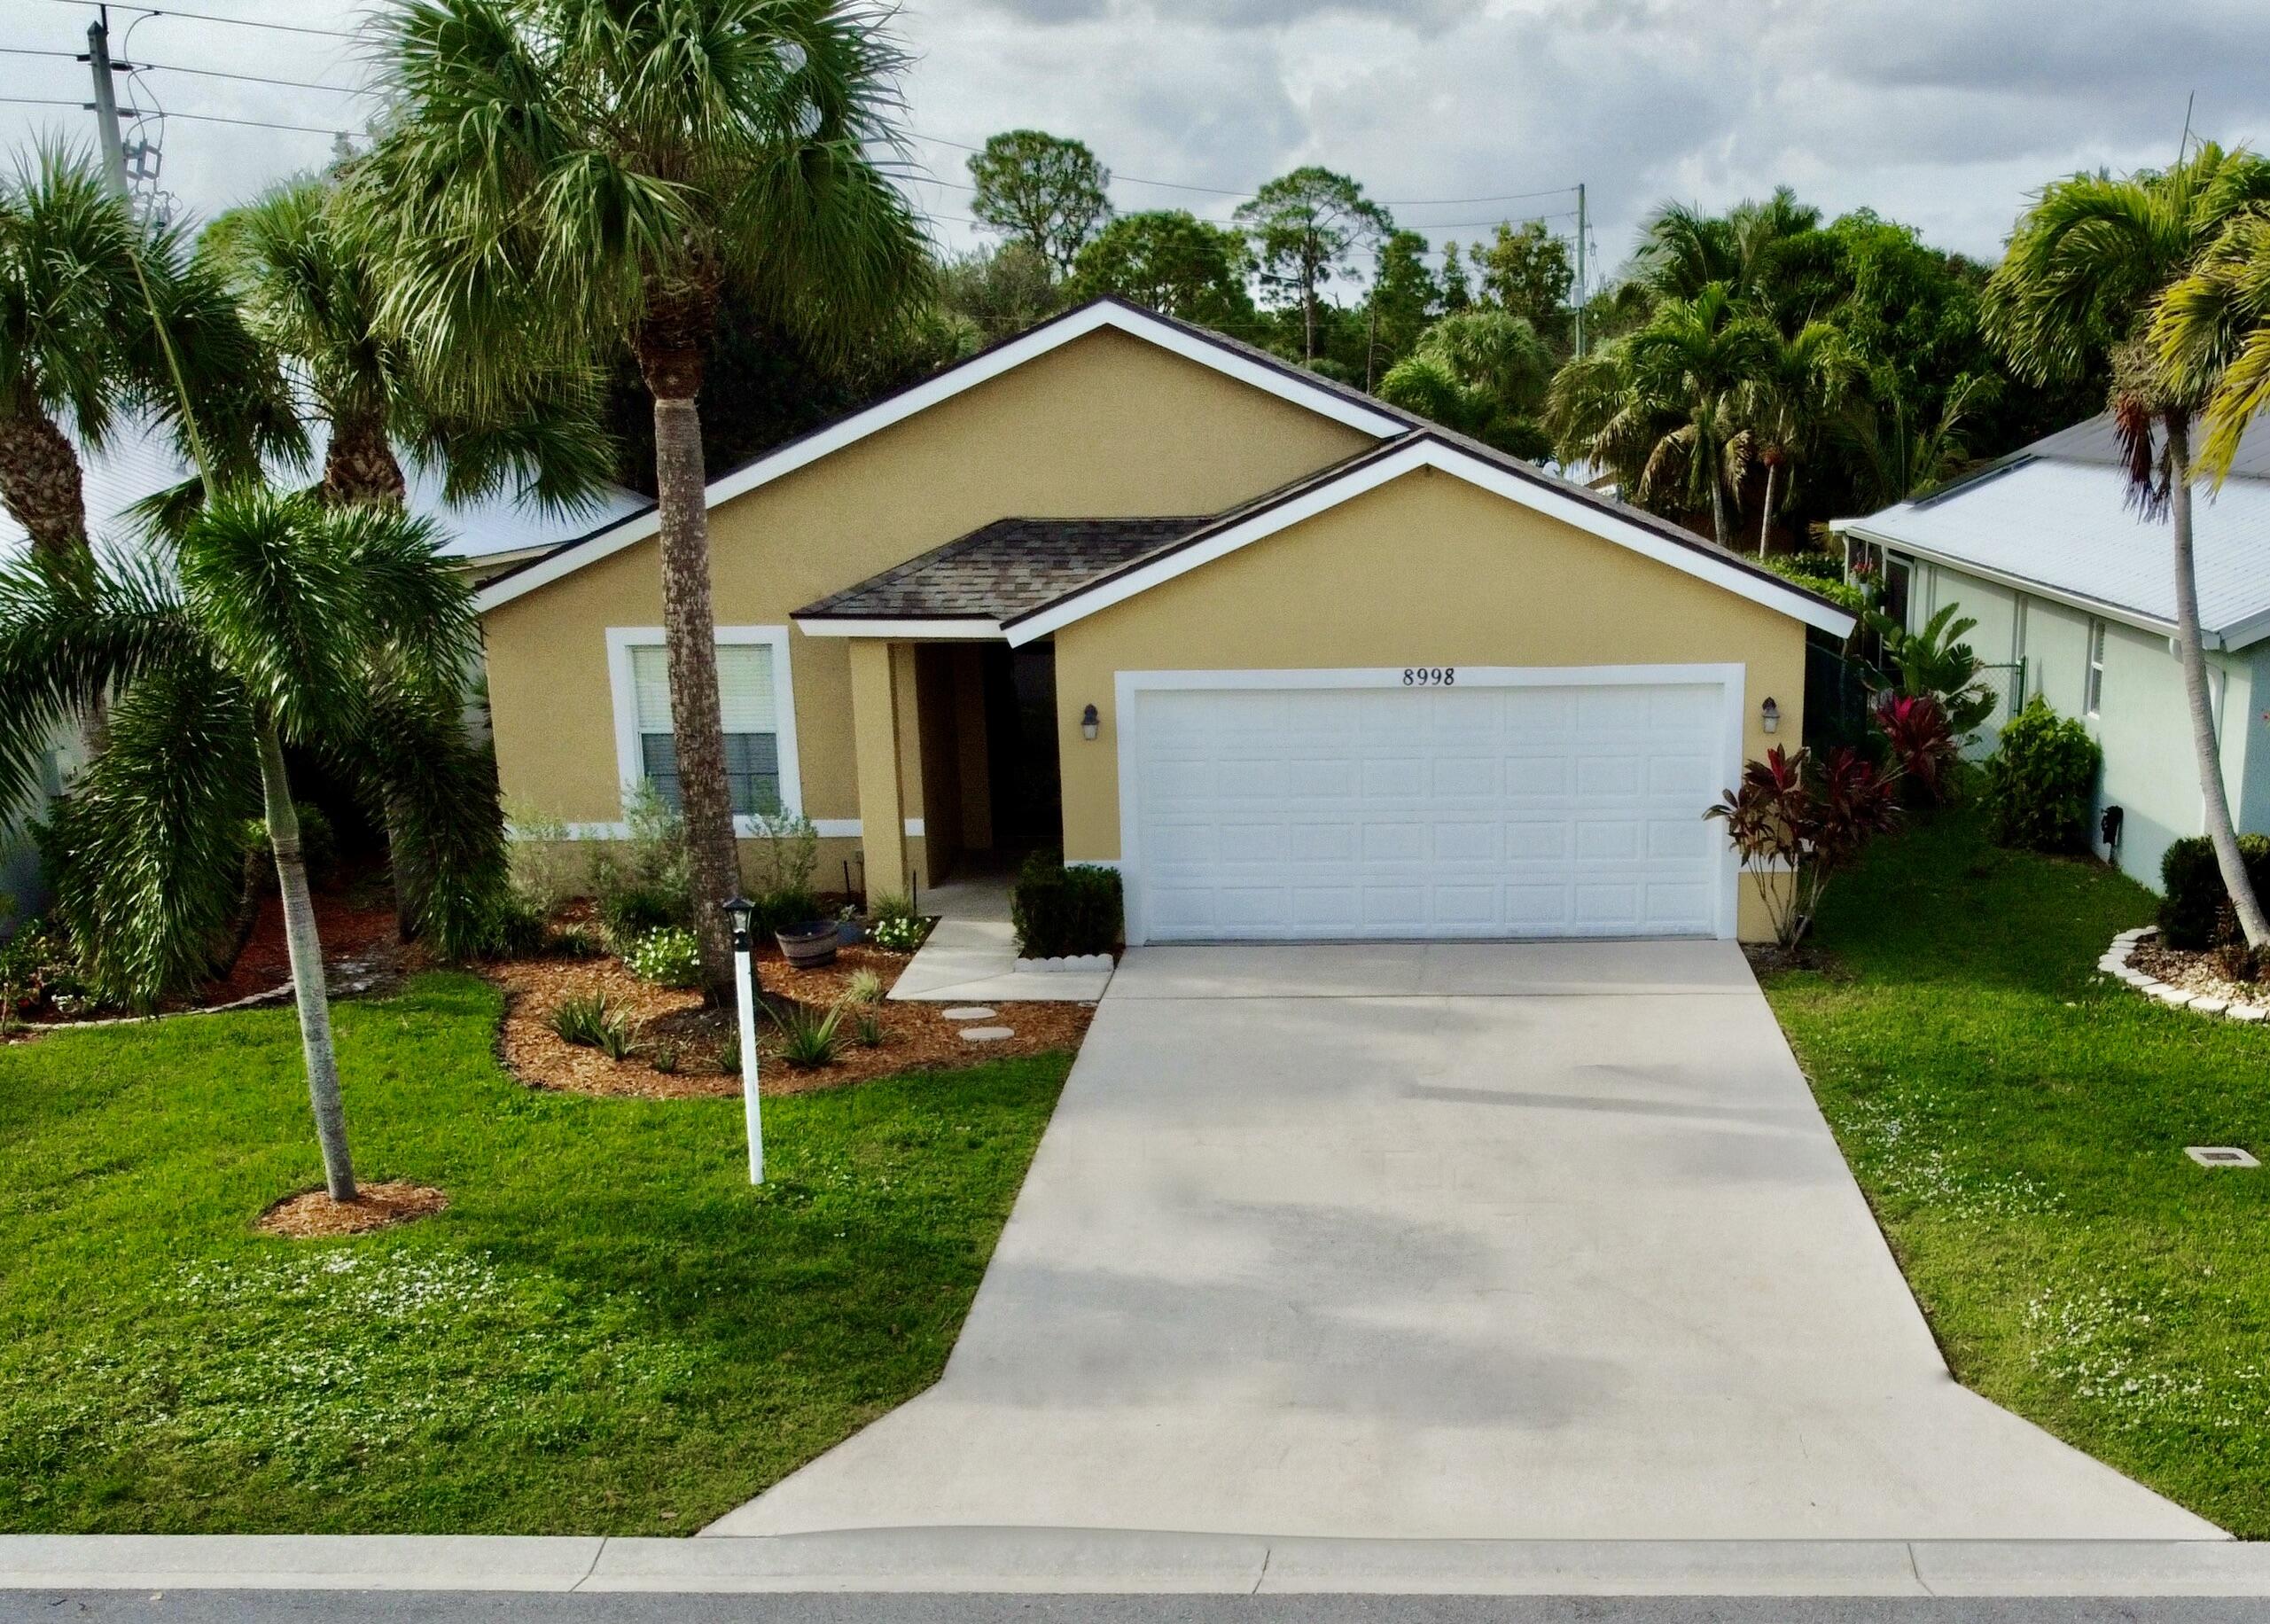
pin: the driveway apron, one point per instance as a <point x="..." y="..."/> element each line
<point x="1450" y="1241"/>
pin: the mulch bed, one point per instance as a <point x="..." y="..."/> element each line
<point x="357" y="933"/>
<point x="2195" y="972"/>
<point x="313" y="1215"/>
<point x="916" y="1036"/>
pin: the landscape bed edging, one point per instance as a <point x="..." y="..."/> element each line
<point x="2115" y="963"/>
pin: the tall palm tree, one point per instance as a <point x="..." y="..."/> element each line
<point x="1480" y="372"/>
<point x="1800" y="383"/>
<point x="264" y="625"/>
<point x="611" y="168"/>
<point x="1664" y="405"/>
<point x="76" y="354"/>
<point x="2085" y="270"/>
<point x="1901" y="455"/>
<point x="308" y="269"/>
<point x="1752" y="249"/>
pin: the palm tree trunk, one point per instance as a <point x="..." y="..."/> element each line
<point x="309" y="991"/>
<point x="670" y="355"/>
<point x="1718" y="499"/>
<point x="1766" y="518"/>
<point x="2221" y="831"/>
<point x="40" y="481"/>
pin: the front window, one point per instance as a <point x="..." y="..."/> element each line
<point x="2093" y="699"/>
<point x="745" y="696"/>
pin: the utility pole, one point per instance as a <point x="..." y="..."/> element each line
<point x="106" y="101"/>
<point x="1580" y="270"/>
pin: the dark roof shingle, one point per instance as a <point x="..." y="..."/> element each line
<point x="1002" y="569"/>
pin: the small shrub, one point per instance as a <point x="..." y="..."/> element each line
<point x="540" y="858"/>
<point x="2237" y="962"/>
<point x="1920" y="743"/>
<point x="1061" y="909"/>
<point x="664" y="1058"/>
<point x="575" y="941"/>
<point x="2041" y="782"/>
<point x="781" y="910"/>
<point x="728" y="1055"/>
<point x="865" y="988"/>
<point x="643" y="881"/>
<point x="587" y="1021"/>
<point x="897" y="934"/>
<point x="667" y="958"/>
<point x="2197" y="912"/>
<point x="38" y="965"/>
<point x="1818" y="572"/>
<point x="890" y="905"/>
<point x="808" y="1038"/>
<point x="318" y="846"/>
<point x="784" y="854"/>
<point x="1791" y="816"/>
<point x="867" y="1030"/>
<point x="513" y="928"/>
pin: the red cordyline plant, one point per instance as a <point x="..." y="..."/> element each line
<point x="1922" y="742"/>
<point x="1809" y="820"/>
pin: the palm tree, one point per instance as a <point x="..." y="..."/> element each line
<point x="1663" y="405"/>
<point x="2213" y="328"/>
<point x="1800" y="383"/>
<point x="1902" y="457"/>
<point x="610" y="169"/>
<point x="267" y="623"/>
<point x="308" y="269"/>
<point x="2085" y="270"/>
<point x="76" y="356"/>
<point x="1480" y="372"/>
<point x="1752" y="248"/>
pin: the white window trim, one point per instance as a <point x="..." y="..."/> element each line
<point x="2093" y="669"/>
<point x="1732" y="679"/>
<point x="630" y="762"/>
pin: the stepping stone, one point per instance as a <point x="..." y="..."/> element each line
<point x="969" y="1012"/>
<point x="987" y="1034"/>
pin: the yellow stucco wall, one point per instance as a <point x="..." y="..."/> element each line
<point x="1427" y="570"/>
<point x="1107" y="425"/>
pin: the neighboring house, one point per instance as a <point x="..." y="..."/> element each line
<point x="2074" y="594"/>
<point x="489" y="537"/>
<point x="1298" y="664"/>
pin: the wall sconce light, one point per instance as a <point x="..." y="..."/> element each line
<point x="1089" y="722"/>
<point x="1769" y="715"/>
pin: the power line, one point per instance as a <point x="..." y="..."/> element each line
<point x="239" y="22"/>
<point x="216" y="73"/>
<point x="201" y="118"/>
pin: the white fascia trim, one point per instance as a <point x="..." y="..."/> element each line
<point x="1732" y="678"/>
<point x="974" y="629"/>
<point x="1461" y="464"/>
<point x="980" y="369"/>
<point x="2102" y="608"/>
<point x="630" y="765"/>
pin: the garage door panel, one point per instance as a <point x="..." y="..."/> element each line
<point x="1479" y="811"/>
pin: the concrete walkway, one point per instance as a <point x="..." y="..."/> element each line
<point x="1451" y="1241"/>
<point x="971" y="955"/>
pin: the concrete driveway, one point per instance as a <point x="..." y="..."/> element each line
<point x="1519" y="1242"/>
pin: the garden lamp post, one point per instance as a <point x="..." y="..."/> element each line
<point x="738" y="911"/>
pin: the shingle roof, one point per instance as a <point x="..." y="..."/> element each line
<point x="1002" y="569"/>
<point x="2054" y="515"/>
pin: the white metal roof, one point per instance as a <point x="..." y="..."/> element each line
<point x="138" y="463"/>
<point x="2052" y="518"/>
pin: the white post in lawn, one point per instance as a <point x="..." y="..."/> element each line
<point x="738" y="912"/>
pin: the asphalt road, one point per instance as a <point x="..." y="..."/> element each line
<point x="489" y="1607"/>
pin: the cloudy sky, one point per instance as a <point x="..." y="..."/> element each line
<point x="1940" y="113"/>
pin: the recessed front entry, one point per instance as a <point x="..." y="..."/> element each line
<point x="1431" y="802"/>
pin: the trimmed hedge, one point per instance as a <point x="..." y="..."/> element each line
<point x="1060" y="910"/>
<point x="2041" y="782"/>
<point x="2196" y="914"/>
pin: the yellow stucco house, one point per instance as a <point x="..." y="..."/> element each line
<point x="1299" y="664"/>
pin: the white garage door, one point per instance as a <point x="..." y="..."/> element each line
<point x="1507" y="803"/>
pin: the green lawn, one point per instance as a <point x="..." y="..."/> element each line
<point x="607" y="1332"/>
<point x="2019" y="1123"/>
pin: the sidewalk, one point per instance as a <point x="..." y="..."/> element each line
<point x="1061" y="1561"/>
<point x="971" y="957"/>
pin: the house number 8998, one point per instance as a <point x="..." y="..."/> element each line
<point x="1430" y="676"/>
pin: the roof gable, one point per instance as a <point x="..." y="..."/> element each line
<point x="1225" y="356"/>
<point x="1490" y="471"/>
